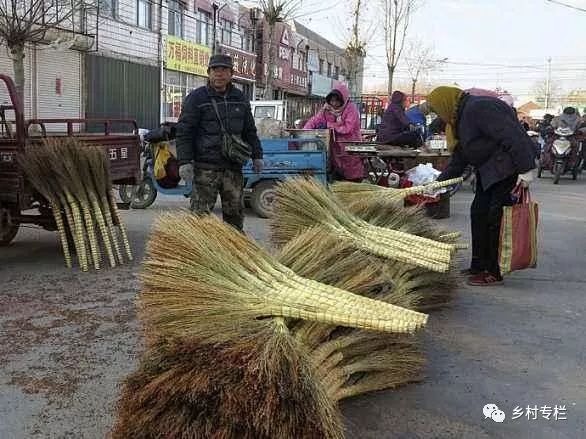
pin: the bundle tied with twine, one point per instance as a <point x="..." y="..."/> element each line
<point x="75" y="180"/>
<point x="222" y="359"/>
<point x="350" y="361"/>
<point x="304" y="203"/>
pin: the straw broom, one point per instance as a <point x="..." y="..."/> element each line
<point x="201" y="276"/>
<point x="302" y="203"/>
<point x="89" y="159"/>
<point x="109" y="199"/>
<point x="59" y="163"/>
<point x="99" y="170"/>
<point x="36" y="171"/>
<point x="56" y="175"/>
<point x="348" y="192"/>
<point x="72" y="154"/>
<point x="257" y="388"/>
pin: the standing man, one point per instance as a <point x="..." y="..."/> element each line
<point x="209" y="115"/>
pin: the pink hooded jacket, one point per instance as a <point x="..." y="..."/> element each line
<point x="346" y="127"/>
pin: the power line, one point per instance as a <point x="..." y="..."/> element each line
<point x="576" y="8"/>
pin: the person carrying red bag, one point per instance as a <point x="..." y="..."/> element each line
<point x="483" y="131"/>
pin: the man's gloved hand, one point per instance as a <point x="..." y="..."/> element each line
<point x="525" y="179"/>
<point x="258" y="165"/>
<point x="186" y="172"/>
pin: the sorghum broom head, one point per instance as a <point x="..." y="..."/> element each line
<point x="349" y="192"/>
<point x="203" y="278"/>
<point x="304" y="203"/>
<point x="257" y="388"/>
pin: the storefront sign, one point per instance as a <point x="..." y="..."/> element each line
<point x="244" y="63"/>
<point x="187" y="57"/>
<point x="321" y="85"/>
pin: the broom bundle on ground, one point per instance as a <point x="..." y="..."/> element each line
<point x="201" y="277"/>
<point x="223" y="362"/>
<point x="304" y="203"/>
<point x="75" y="180"/>
<point x="340" y="265"/>
<point x="262" y="387"/>
<point x="349" y="192"/>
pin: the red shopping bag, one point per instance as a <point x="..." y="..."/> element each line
<point x="518" y="237"/>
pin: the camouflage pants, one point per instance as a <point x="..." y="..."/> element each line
<point x="208" y="183"/>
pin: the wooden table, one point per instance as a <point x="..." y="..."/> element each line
<point x="384" y="160"/>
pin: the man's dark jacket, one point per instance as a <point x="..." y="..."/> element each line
<point x="491" y="139"/>
<point x="199" y="136"/>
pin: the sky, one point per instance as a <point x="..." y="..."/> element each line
<point x="487" y="43"/>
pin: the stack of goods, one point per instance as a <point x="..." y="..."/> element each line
<point x="244" y="345"/>
<point x="226" y="352"/>
<point x="75" y="181"/>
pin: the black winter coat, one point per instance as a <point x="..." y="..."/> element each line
<point x="199" y="136"/>
<point x="491" y="139"/>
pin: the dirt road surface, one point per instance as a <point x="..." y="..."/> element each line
<point x="67" y="339"/>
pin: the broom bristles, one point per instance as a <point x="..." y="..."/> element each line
<point x="70" y="176"/>
<point x="201" y="273"/>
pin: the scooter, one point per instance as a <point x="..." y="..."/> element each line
<point x="561" y="155"/>
<point x="144" y="194"/>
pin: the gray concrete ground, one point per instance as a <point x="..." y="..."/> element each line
<point x="67" y="339"/>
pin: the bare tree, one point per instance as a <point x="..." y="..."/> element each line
<point x="540" y="89"/>
<point x="420" y="60"/>
<point x="395" y="21"/>
<point x="274" y="11"/>
<point x="355" y="52"/>
<point x="25" y="22"/>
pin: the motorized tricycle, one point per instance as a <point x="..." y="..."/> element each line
<point x="305" y="152"/>
<point x="20" y="203"/>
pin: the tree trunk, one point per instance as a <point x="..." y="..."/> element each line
<point x="268" y="83"/>
<point x="413" y="83"/>
<point x="391" y="70"/>
<point x="17" y="55"/>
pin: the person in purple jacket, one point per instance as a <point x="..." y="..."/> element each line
<point x="395" y="127"/>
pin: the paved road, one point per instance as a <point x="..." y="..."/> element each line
<point x="67" y="339"/>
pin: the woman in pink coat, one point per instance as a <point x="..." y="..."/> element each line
<point x="340" y="115"/>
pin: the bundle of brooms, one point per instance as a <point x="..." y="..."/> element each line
<point x="304" y="203"/>
<point x="75" y="181"/>
<point x="223" y="361"/>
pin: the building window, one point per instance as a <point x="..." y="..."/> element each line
<point x="336" y="72"/>
<point x="175" y="18"/>
<point x="144" y="13"/>
<point x="177" y="86"/>
<point x="329" y="70"/>
<point x="226" y="32"/>
<point x="321" y="66"/>
<point x="247" y="40"/>
<point x="202" y="35"/>
<point x="108" y="8"/>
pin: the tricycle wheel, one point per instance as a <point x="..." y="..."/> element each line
<point x="143" y="195"/>
<point x="263" y="196"/>
<point x="557" y="172"/>
<point x="8" y="229"/>
<point x="125" y="192"/>
<point x="539" y="170"/>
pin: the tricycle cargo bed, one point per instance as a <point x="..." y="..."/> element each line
<point x="122" y="146"/>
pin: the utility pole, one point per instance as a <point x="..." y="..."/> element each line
<point x="548" y="84"/>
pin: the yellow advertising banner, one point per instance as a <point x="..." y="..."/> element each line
<point x="187" y="57"/>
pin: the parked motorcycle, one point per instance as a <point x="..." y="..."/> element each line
<point x="562" y="154"/>
<point x="144" y="194"/>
